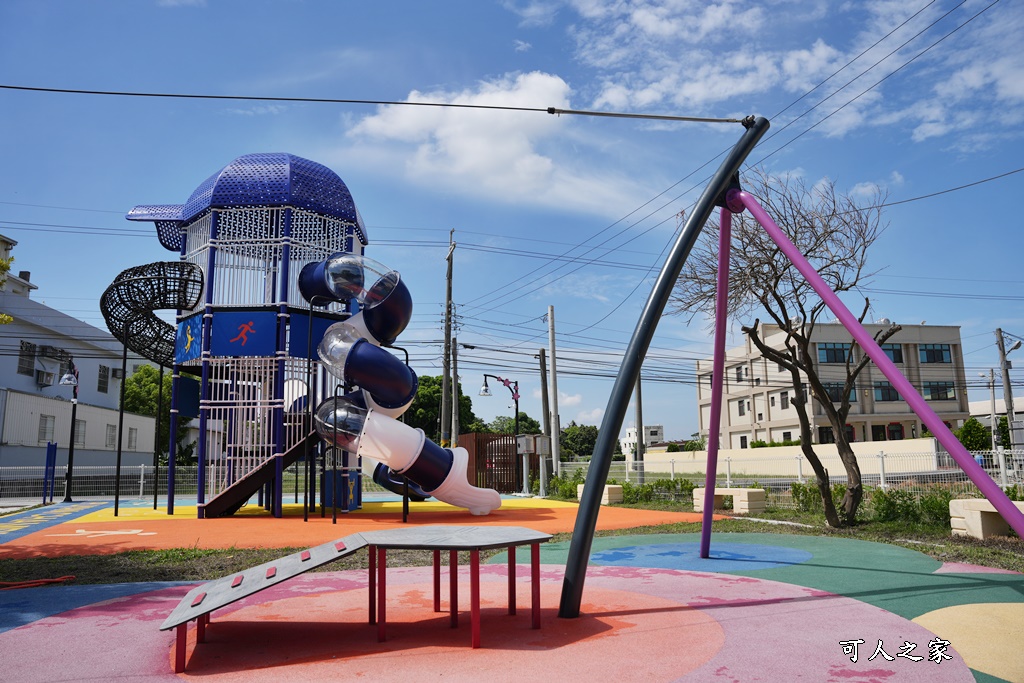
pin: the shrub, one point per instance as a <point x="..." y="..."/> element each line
<point x="807" y="498"/>
<point x="895" y="505"/>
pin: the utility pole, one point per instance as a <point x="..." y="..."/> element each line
<point x="542" y="459"/>
<point x="556" y="432"/>
<point x="446" y="418"/>
<point x="455" y="392"/>
<point x="1007" y="390"/>
<point x="641" y="436"/>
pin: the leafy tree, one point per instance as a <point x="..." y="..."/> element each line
<point x="425" y="411"/>
<point x="834" y="232"/>
<point x="141" y="396"/>
<point x="974" y="436"/>
<point x="577" y="441"/>
<point x="5" y="267"/>
<point x="672" y="448"/>
<point x="504" y="424"/>
<point x="1003" y="432"/>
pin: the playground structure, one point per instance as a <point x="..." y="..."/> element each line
<point x="270" y="259"/>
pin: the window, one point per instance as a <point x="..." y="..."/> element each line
<point x="79" y="432"/>
<point x="787" y="436"/>
<point x="784" y="400"/>
<point x="825" y="435"/>
<point x="830" y="352"/>
<point x="742" y="406"/>
<point x="111" y="436"/>
<point x="781" y="369"/>
<point x="133" y="438"/>
<point x="27" y="359"/>
<point x="835" y="392"/>
<point x="935" y="353"/>
<point x="885" y="392"/>
<point x="757" y="381"/>
<point x="104" y="380"/>
<point x="739" y="373"/>
<point x="743" y="442"/>
<point x="46" y="427"/>
<point x="939" y="391"/>
<point x="772" y="401"/>
<point x="878" y="432"/>
<point x="760" y="416"/>
<point x="895" y="431"/>
<point x="894" y="351"/>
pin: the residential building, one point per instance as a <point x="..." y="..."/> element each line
<point x="35" y="352"/>
<point x="652" y="434"/>
<point x="757" y="400"/>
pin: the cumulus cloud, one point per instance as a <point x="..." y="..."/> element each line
<point x="569" y="400"/>
<point x="494" y="154"/>
<point x="590" y="417"/>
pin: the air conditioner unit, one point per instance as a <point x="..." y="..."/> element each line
<point x="117" y="373"/>
<point x="44" y="378"/>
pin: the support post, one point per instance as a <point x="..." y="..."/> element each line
<point x="597" y="476"/>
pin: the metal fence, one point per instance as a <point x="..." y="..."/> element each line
<point x="777" y="474"/>
<point x="26" y="483"/>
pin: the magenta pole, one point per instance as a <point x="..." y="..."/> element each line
<point x="988" y="487"/>
<point x="717" y="378"/>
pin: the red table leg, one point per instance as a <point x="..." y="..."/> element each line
<point x="437" y="580"/>
<point x="382" y="566"/>
<point x="511" y="579"/>
<point x="179" y="647"/>
<point x="201" y="628"/>
<point x="373" y="584"/>
<point x="453" y="586"/>
<point x="535" y="583"/>
<point x="474" y="596"/>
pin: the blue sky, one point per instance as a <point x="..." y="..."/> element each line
<point x="574" y="212"/>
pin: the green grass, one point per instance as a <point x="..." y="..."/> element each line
<point x="193" y="564"/>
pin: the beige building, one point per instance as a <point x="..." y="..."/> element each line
<point x="758" y="393"/>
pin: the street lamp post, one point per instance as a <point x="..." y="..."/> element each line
<point x="512" y="386"/>
<point x="70" y="379"/>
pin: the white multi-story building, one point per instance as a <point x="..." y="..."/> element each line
<point x="758" y="393"/>
<point x="652" y="434"/>
<point x="35" y="409"/>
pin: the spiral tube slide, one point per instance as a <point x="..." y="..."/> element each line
<point x="130" y="303"/>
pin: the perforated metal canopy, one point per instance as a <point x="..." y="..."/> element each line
<point x="264" y="179"/>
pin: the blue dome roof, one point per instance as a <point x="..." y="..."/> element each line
<point x="266" y="179"/>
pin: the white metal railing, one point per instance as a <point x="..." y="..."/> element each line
<point x="777" y="473"/>
<point x="26" y="483"/>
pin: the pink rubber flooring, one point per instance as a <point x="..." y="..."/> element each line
<point x="636" y="624"/>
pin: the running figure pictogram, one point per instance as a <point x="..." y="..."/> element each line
<point x="243" y="333"/>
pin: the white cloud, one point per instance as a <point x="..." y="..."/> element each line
<point x="493" y="154"/>
<point x="590" y="417"/>
<point x="521" y="46"/>
<point x="569" y="400"/>
<point x="260" y="110"/>
<point x="533" y="12"/>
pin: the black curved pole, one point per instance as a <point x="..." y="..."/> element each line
<point x="597" y="475"/>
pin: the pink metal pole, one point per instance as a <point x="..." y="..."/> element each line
<point x="988" y="487"/>
<point x="717" y="377"/>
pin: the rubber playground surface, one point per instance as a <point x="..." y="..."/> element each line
<point x="763" y="607"/>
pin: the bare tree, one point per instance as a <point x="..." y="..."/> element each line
<point x="834" y="232"/>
